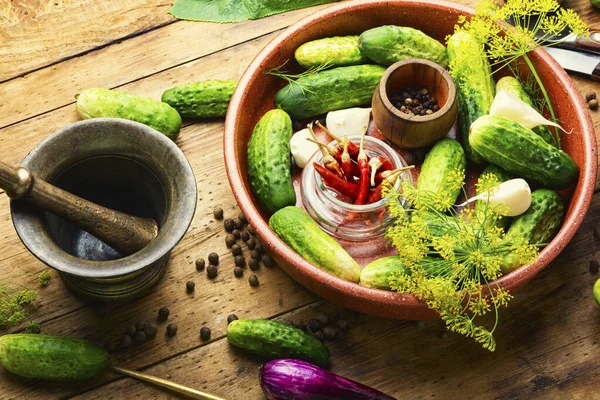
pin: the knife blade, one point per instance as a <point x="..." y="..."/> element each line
<point x="574" y="61"/>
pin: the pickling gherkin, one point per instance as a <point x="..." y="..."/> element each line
<point x="201" y="99"/>
<point x="337" y="51"/>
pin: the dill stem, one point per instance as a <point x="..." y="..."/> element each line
<point x="546" y="98"/>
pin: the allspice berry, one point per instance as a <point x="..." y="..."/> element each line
<point x="205" y="333"/>
<point x="231" y="318"/>
<point x="593" y="104"/>
<point x="171" y="330"/>
<point x="590" y="96"/>
<point x="236" y="250"/>
<point x="240" y="261"/>
<point x="254" y="264"/>
<point x="190" y="286"/>
<point x="213" y="258"/>
<point x="200" y="263"/>
<point x="230" y="240"/>
<point x="238" y="272"/>
<point x="212" y="271"/>
<point x="163" y="313"/>
<point x="218" y="213"/>
<point x="267" y="260"/>
<point x="229" y="225"/>
<point x="253" y="280"/>
<point x="126" y="341"/>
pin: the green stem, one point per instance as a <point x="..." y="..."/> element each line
<point x="546" y="98"/>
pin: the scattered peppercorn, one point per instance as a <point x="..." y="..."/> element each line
<point x="130" y="330"/>
<point x="205" y="333"/>
<point x="238" y="272"/>
<point x="319" y="335"/>
<point x="163" y="313"/>
<point x="150" y="331"/>
<point x="218" y="213"/>
<point x="314" y="325"/>
<point x="213" y="258"/>
<point x="140" y="325"/>
<point x="236" y="250"/>
<point x="259" y="247"/>
<point x="415" y="101"/>
<point x="251" y="243"/>
<point x="229" y="225"/>
<point x="236" y="233"/>
<point x="245" y="236"/>
<point x="593" y="104"/>
<point x="200" y="263"/>
<point x="254" y="264"/>
<point x="140" y="336"/>
<point x="231" y="318"/>
<point x="240" y="261"/>
<point x="230" y="240"/>
<point x="342" y="324"/>
<point x="594" y="266"/>
<point x="212" y="271"/>
<point x="171" y="330"/>
<point x="238" y="224"/>
<point x="126" y="341"/>
<point x="251" y="230"/>
<point x="253" y="280"/>
<point x="590" y="96"/>
<point x="190" y="286"/>
<point x="267" y="260"/>
<point x="323" y="319"/>
<point x="242" y="218"/>
<point x="329" y="332"/>
<point x="255" y="254"/>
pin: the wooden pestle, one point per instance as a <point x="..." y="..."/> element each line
<point x="125" y="233"/>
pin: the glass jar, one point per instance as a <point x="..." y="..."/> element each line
<point x="345" y="220"/>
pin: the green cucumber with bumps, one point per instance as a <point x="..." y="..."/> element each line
<point x="269" y="166"/>
<point x="201" y="99"/>
<point x="51" y="357"/>
<point x="299" y="231"/>
<point x="337" y="51"/>
<point x="275" y="340"/>
<point x="514" y="87"/>
<point x="106" y="103"/>
<point x="376" y="274"/>
<point x="521" y="152"/>
<point x="329" y="90"/>
<point x="389" y="44"/>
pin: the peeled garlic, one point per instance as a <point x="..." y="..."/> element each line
<point x="515" y="194"/>
<point x="509" y="106"/>
<point x="351" y="121"/>
<point x="302" y="149"/>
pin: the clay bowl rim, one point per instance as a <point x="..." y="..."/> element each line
<point x="421" y="119"/>
<point x="375" y="297"/>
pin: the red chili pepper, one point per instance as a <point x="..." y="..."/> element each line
<point x="386" y="165"/>
<point x="347" y="162"/>
<point x="380" y="176"/>
<point x="347" y="189"/>
<point x="363" y="165"/>
<point x="376" y="194"/>
<point x="328" y="161"/>
<point x="352" y="148"/>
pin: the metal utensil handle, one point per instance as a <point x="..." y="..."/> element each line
<point x="175" y="387"/>
<point x="591" y="43"/>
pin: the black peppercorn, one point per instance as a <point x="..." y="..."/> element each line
<point x="236" y="250"/>
<point x="238" y="272"/>
<point x="250" y="230"/>
<point x="126" y="341"/>
<point x="231" y="317"/>
<point x="140" y="325"/>
<point x="254" y="264"/>
<point x="329" y="332"/>
<point x="190" y="286"/>
<point x="205" y="333"/>
<point x="245" y="236"/>
<point x="255" y="254"/>
<point x="236" y="234"/>
<point x="342" y="324"/>
<point x="150" y="331"/>
<point x="130" y="331"/>
<point x="253" y="280"/>
<point x="242" y="218"/>
<point x="267" y="260"/>
<point x="230" y="240"/>
<point x="251" y="243"/>
<point x="314" y="325"/>
<point x="590" y="96"/>
<point x="594" y="266"/>
<point x="593" y="104"/>
<point x="213" y="258"/>
<point x="229" y="225"/>
<point x="319" y="335"/>
<point x="200" y="263"/>
<point x="259" y="247"/>
<point x="238" y="224"/>
<point x="218" y="213"/>
<point x="163" y="313"/>
<point x="240" y="261"/>
<point x="212" y="271"/>
<point x="140" y="336"/>
<point x="171" y="330"/>
<point x="323" y="319"/>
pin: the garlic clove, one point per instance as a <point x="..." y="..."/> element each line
<point x="509" y="106"/>
<point x="302" y="149"/>
<point x="350" y="121"/>
<point x="515" y="194"/>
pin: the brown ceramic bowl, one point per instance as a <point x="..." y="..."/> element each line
<point x="254" y="96"/>
<point x="413" y="131"/>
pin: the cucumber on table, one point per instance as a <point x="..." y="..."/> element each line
<point x="269" y="166"/>
<point x="329" y="90"/>
<point x="389" y="44"/>
<point x="51" y="357"/>
<point x="106" y="103"/>
<point x="337" y="51"/>
<point x="298" y="230"/>
<point x="377" y="273"/>
<point x="275" y="340"/>
<point x="521" y="152"/>
<point x="201" y="99"/>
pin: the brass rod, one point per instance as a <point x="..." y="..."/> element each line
<point x="175" y="387"/>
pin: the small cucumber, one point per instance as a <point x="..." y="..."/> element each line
<point x="376" y="274"/>
<point x="389" y="44"/>
<point x="51" y="357"/>
<point x="105" y="103"/>
<point x="596" y="289"/>
<point x="446" y="157"/>
<point x="521" y="152"/>
<point x="298" y="230"/>
<point x="269" y="165"/>
<point x="500" y="176"/>
<point x="201" y="99"/>
<point x="275" y="340"/>
<point x="538" y="225"/>
<point x="338" y="51"/>
<point x="329" y="90"/>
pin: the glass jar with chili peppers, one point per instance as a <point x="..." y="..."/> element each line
<point x="335" y="212"/>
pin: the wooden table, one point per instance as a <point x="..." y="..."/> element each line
<point x="52" y="50"/>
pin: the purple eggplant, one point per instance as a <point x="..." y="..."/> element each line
<point x="289" y="379"/>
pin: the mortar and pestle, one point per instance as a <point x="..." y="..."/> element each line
<point x="103" y="201"/>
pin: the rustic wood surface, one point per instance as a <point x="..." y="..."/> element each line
<point x="51" y="50"/>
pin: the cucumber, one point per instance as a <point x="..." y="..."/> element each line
<point x="500" y="176"/>
<point x="274" y="340"/>
<point x="376" y="274"/>
<point x="538" y="225"/>
<point x="514" y="87"/>
<point x="520" y="151"/>
<point x="201" y="99"/>
<point x="269" y="166"/>
<point x="298" y="230"/>
<point x="475" y="89"/>
<point x="338" y="51"/>
<point x="389" y="44"/>
<point x="51" y="357"/>
<point x="596" y="288"/>
<point x="105" y="103"/>
<point x="330" y="90"/>
<point x="446" y="156"/>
